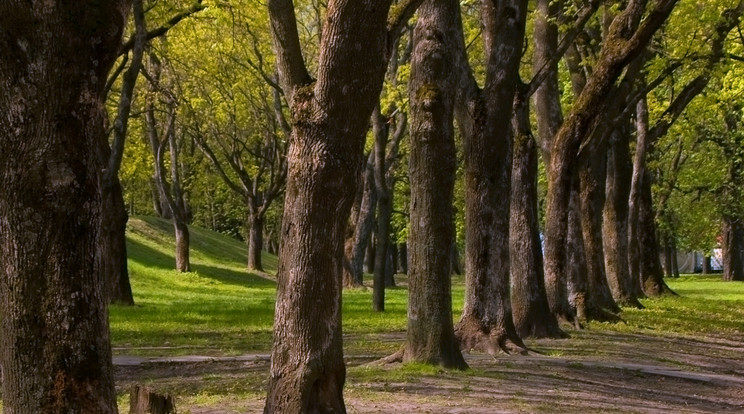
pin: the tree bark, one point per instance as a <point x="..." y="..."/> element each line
<point x="626" y="38"/>
<point x="384" y="211"/>
<point x="331" y="116"/>
<point x="484" y="117"/>
<point x="362" y="231"/>
<point x="113" y="245"/>
<point x="531" y="312"/>
<point x="731" y="246"/>
<point x="639" y="166"/>
<point x="255" y="241"/>
<point x="55" y="353"/>
<point x="706" y="265"/>
<point x="431" y="337"/>
<point x="615" y="226"/>
<point x="577" y="282"/>
<point x="652" y="274"/>
<point x="598" y="297"/>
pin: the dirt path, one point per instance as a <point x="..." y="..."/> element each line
<point x="593" y="372"/>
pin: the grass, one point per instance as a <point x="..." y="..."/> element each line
<point x="222" y="309"/>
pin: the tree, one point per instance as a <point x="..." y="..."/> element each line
<point x="627" y="37"/>
<point x="330" y="115"/>
<point x="56" y="354"/>
<point x="164" y="134"/>
<point x="484" y="117"/>
<point x="431" y="337"/>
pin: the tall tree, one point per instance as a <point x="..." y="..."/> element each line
<point x="627" y="37"/>
<point x="164" y="134"/>
<point x="431" y="337"/>
<point x="56" y="354"/>
<point x="330" y="115"/>
<point x="484" y="117"/>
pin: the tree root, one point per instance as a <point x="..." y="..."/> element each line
<point x="473" y="336"/>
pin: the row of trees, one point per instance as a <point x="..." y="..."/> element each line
<point x="218" y="126"/>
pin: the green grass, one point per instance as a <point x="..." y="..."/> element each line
<point x="705" y="306"/>
<point x="222" y="309"/>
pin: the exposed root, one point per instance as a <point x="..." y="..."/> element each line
<point x="602" y="315"/>
<point x="397" y="357"/>
<point x="654" y="288"/>
<point x="488" y="339"/>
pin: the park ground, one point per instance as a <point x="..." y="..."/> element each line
<point x="205" y="337"/>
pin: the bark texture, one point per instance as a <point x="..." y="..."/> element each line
<point x="732" y="245"/>
<point x="615" y="226"/>
<point x="330" y="115"/>
<point x="431" y="337"/>
<point x="55" y="352"/>
<point x="530" y="309"/>
<point x="484" y="117"/>
<point x="626" y="38"/>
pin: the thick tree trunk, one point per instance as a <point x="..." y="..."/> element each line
<point x="626" y="39"/>
<point x="652" y="274"/>
<point x="255" y="241"/>
<point x="615" y="226"/>
<point x="307" y="366"/>
<point x="485" y="120"/>
<point x="431" y="337"/>
<point x="530" y="309"/>
<point x="732" y="245"/>
<point x="577" y="283"/>
<point x="55" y="352"/>
<point x="112" y="252"/>
<point x="592" y="174"/>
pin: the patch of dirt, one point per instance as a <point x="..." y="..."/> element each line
<point x="592" y="372"/>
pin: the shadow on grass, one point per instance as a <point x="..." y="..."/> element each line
<point x="149" y="257"/>
<point x="231" y="277"/>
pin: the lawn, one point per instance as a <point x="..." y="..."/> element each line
<point x="221" y="310"/>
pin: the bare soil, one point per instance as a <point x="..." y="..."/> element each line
<point x="592" y="372"/>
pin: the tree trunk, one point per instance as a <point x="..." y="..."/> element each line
<point x="382" y="238"/>
<point x="431" y="337"/>
<point x="577" y="281"/>
<point x="389" y="269"/>
<point x="255" y="241"/>
<point x="55" y="352"/>
<point x="731" y="246"/>
<point x="626" y="38"/>
<point x="369" y="254"/>
<point x="675" y="265"/>
<point x="531" y="312"/>
<point x="484" y="116"/>
<point x="324" y="158"/>
<point x="593" y="171"/>
<point x="652" y="275"/>
<point x="363" y="226"/>
<point x="182" y="245"/>
<point x="403" y="257"/>
<point x="615" y="227"/>
<point x="706" y="264"/>
<point x="112" y="252"/>
<point x="639" y="167"/>
<point x="143" y="400"/>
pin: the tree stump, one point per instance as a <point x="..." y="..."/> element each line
<point x="143" y="400"/>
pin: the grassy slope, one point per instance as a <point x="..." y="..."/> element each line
<point x="221" y="309"/>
